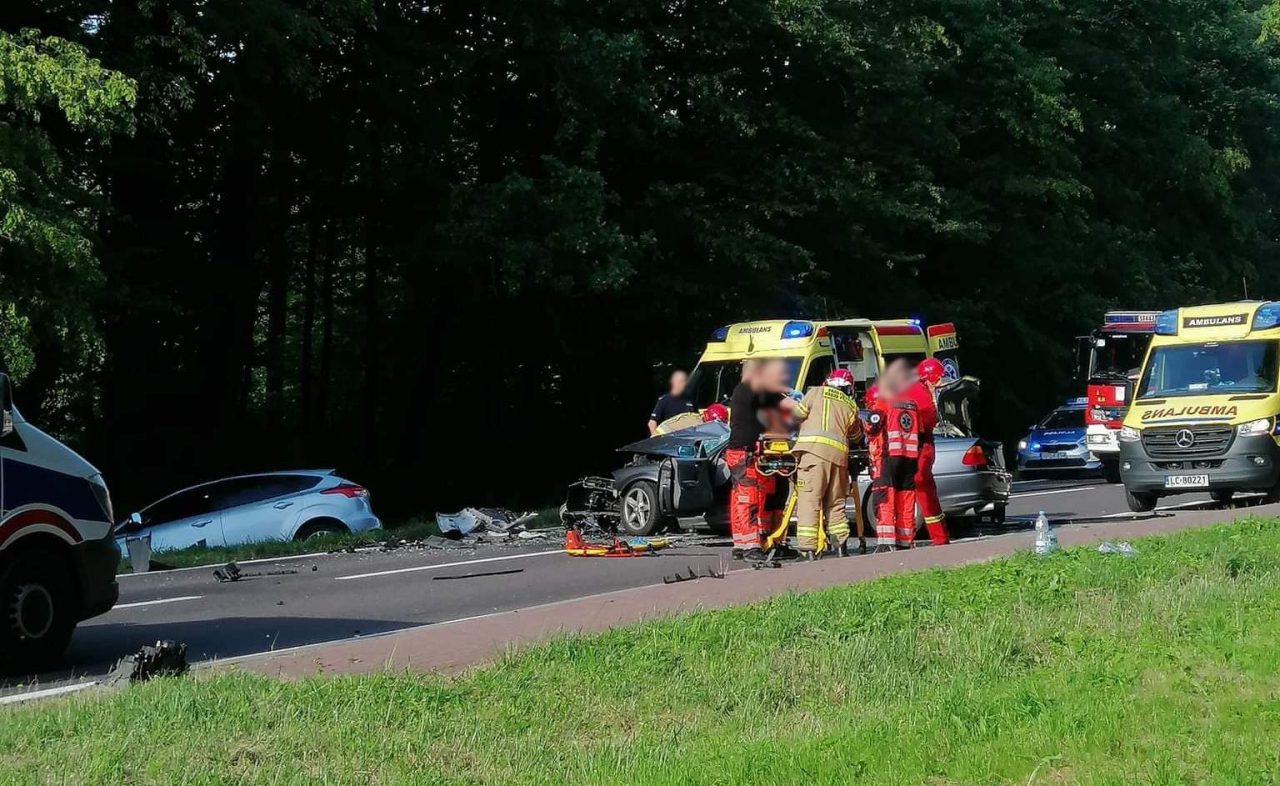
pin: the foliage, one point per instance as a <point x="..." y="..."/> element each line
<point x="342" y="227"/>
<point x="1077" y="668"/>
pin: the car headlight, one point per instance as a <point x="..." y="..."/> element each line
<point x="1129" y="434"/>
<point x="1255" y="427"/>
<point x="1022" y="444"/>
<point x="99" y="487"/>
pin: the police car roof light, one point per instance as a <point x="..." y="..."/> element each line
<point x="1267" y="316"/>
<point x="720" y="333"/>
<point x="1167" y="323"/>
<point x="795" y="329"/>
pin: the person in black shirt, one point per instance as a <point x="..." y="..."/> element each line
<point x="763" y="388"/>
<point x="671" y="403"/>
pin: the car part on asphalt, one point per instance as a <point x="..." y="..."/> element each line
<point x="231" y="572"/>
<point x="162" y="659"/>
<point x="472" y="520"/>
<point x="690" y="574"/>
<point x="478" y="575"/>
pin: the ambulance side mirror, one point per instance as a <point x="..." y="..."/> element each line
<point x="6" y="406"/>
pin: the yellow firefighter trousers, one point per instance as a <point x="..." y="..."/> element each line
<point x="821" y="488"/>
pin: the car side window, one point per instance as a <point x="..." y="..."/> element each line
<point x="184" y="504"/>
<point x="819" y="369"/>
<point x="247" y="491"/>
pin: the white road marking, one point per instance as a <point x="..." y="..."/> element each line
<point x="212" y="565"/>
<point x="446" y="565"/>
<point x="155" y="602"/>
<point x="47" y="693"/>
<point x="1054" y="491"/>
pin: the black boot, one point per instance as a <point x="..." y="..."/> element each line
<point x="737" y="554"/>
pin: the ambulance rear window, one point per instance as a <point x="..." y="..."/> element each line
<point x="713" y="381"/>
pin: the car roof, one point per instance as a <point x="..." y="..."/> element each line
<point x="315" y="472"/>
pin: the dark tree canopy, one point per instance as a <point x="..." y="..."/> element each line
<point x="454" y="248"/>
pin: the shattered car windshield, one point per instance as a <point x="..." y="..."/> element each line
<point x="713" y="381"/>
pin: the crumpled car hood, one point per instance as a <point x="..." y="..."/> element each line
<point x="680" y="444"/>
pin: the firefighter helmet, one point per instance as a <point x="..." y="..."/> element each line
<point x="930" y="371"/>
<point x="840" y="378"/>
<point x="717" y="412"/>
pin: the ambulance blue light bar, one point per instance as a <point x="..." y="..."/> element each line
<point x="1267" y="316"/>
<point x="1167" y="323"/>
<point x="797" y="330"/>
<point x="720" y="333"/>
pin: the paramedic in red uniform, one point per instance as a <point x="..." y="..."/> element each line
<point x="876" y="413"/>
<point x="930" y="373"/>
<point x="762" y="391"/>
<point x="912" y="417"/>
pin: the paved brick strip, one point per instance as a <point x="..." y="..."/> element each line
<point x="453" y="646"/>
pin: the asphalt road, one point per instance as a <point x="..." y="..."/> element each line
<point x="341" y="596"/>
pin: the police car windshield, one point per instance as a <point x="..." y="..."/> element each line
<point x="1064" y="418"/>
<point x="1211" y="367"/>
<point x="713" y="381"/>
<point x="1117" y="355"/>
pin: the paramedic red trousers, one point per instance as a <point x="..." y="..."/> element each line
<point x="748" y="520"/>
<point x="927" y="497"/>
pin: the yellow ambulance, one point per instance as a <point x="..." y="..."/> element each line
<point x="1204" y="414"/>
<point x="812" y="349"/>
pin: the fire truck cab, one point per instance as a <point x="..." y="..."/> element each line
<point x="1108" y="361"/>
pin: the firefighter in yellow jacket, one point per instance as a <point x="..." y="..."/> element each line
<point x="822" y="472"/>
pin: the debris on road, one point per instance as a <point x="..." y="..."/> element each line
<point x="1123" y="548"/>
<point x="576" y="546"/>
<point x="691" y="575"/>
<point x="472" y="520"/>
<point x="162" y="659"/>
<point x="231" y="572"/>
<point x="479" y="575"/>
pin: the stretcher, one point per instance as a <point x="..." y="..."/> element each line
<point x="576" y="546"/>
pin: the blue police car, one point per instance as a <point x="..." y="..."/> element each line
<point x="1056" y="445"/>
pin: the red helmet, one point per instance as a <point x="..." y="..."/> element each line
<point x="931" y="371"/>
<point x="840" y="378"/>
<point x="873" y="395"/>
<point x="718" y="412"/>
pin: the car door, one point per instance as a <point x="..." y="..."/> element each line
<point x="261" y="507"/>
<point x="182" y="520"/>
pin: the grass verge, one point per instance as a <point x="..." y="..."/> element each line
<point x="1078" y="668"/>
<point x="408" y="530"/>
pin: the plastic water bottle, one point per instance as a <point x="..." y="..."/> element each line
<point x="1046" y="540"/>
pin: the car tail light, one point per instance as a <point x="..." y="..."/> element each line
<point x="974" y="457"/>
<point x="348" y="490"/>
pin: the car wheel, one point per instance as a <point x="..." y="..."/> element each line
<point x="1111" y="471"/>
<point x="40" y="610"/>
<point x="320" y="528"/>
<point x="868" y="517"/>
<point x="1222" y="496"/>
<point x="1140" y="501"/>
<point x="639" y="506"/>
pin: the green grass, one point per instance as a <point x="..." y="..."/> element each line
<point x="407" y="530"/>
<point x="1079" y="668"/>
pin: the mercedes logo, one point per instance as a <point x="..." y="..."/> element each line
<point x="1184" y="438"/>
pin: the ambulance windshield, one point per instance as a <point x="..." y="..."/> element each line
<point x="1118" y="355"/>
<point x="712" y="381"/>
<point x="1209" y="368"/>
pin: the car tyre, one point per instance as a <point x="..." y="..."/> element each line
<point x="321" y="528"/>
<point x="1222" y="496"/>
<point x="1140" y="501"/>
<point x="39" y="610"/>
<point x="639" y="508"/>
<point x="1111" y="471"/>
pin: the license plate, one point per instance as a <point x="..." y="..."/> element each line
<point x="1186" y="481"/>
<point x="1054" y="455"/>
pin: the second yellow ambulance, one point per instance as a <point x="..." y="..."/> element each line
<point x="1204" y="417"/>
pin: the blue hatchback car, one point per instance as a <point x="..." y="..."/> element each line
<point x="1057" y="443"/>
<point x="251" y="508"/>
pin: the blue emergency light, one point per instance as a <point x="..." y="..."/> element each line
<point x="1167" y="323"/>
<point x="1267" y="316"/>
<point x="797" y="330"/>
<point x="720" y="333"/>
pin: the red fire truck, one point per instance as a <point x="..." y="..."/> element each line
<point x="1109" y="360"/>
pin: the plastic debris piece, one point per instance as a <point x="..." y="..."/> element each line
<point x="478" y="575"/>
<point x="162" y="659"/>
<point x="1123" y="548"/>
